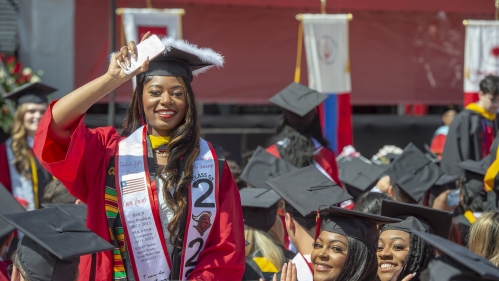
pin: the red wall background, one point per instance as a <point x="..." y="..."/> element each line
<point x="401" y="51"/>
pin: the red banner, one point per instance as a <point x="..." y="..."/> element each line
<point x="159" y="31"/>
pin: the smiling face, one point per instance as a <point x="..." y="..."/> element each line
<point x="393" y="247"/>
<point x="165" y="102"/>
<point x="34" y="113"/>
<point x="329" y="255"/>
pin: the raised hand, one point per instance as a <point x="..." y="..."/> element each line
<point x="288" y="272"/>
<point x="123" y="58"/>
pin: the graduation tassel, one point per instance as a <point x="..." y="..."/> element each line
<point x="317" y="225"/>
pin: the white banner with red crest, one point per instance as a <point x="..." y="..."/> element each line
<point x="481" y="56"/>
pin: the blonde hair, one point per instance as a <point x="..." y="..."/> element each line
<point x="483" y="237"/>
<point x="20" y="147"/>
<point x="261" y="241"/>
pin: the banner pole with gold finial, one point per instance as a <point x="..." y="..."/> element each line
<point x="323" y="6"/>
<point x="497" y="9"/>
<point x="298" y="53"/>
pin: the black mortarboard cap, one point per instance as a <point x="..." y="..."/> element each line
<point x="8" y="205"/>
<point x="182" y="59"/>
<point x="77" y="211"/>
<point x="474" y="173"/>
<point x="413" y="172"/>
<point x="259" y="207"/>
<point x="458" y="262"/>
<point x="476" y="167"/>
<point x="358" y="175"/>
<point x="264" y="166"/>
<point x="417" y="217"/>
<point x="357" y="225"/>
<point x="305" y="191"/>
<point x="298" y="99"/>
<point x="446" y="179"/>
<point x="431" y="155"/>
<point x="53" y="243"/>
<point x="30" y="93"/>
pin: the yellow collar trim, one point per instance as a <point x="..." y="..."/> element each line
<point x="158" y="141"/>
<point x="469" y="215"/>
<point x="480" y="110"/>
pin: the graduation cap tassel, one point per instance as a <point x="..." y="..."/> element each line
<point x="317" y="225"/>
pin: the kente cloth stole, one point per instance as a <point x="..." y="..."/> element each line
<point x="135" y="201"/>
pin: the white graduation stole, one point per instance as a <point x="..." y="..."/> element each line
<point x="139" y="210"/>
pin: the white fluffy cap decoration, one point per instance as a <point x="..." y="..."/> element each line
<point x="204" y="54"/>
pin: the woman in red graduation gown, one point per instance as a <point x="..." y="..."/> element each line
<point x="164" y="196"/>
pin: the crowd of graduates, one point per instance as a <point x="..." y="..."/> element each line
<point x="155" y="201"/>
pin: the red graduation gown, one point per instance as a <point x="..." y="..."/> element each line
<point x="325" y="158"/>
<point x="82" y="169"/>
<point x="3" y="271"/>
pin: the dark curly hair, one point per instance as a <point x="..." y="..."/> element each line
<point x="420" y="254"/>
<point x="299" y="151"/>
<point x="182" y="150"/>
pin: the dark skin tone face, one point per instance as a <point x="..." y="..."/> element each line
<point x="393" y="248"/>
<point x="164" y="101"/>
<point x="298" y="122"/>
<point x="329" y="255"/>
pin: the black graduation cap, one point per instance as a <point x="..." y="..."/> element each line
<point x="458" y="262"/>
<point x="259" y="207"/>
<point x="431" y="155"/>
<point x="305" y="191"/>
<point x="298" y="99"/>
<point x="182" y="59"/>
<point x="8" y="205"/>
<point x="474" y="173"/>
<point x="53" y="243"/>
<point x="417" y="217"/>
<point x="264" y="166"/>
<point x="358" y="175"/>
<point x="357" y="225"/>
<point x="446" y="179"/>
<point x="414" y="172"/>
<point x="31" y="93"/>
<point x="77" y="211"/>
<point x="475" y="167"/>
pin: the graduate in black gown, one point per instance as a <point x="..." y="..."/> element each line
<point x="473" y="130"/>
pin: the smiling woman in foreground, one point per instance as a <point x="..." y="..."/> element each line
<point x="346" y="246"/>
<point x="161" y="194"/>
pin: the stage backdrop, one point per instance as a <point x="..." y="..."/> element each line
<point x="402" y="52"/>
<point x="481" y="56"/>
<point x="46" y="41"/>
